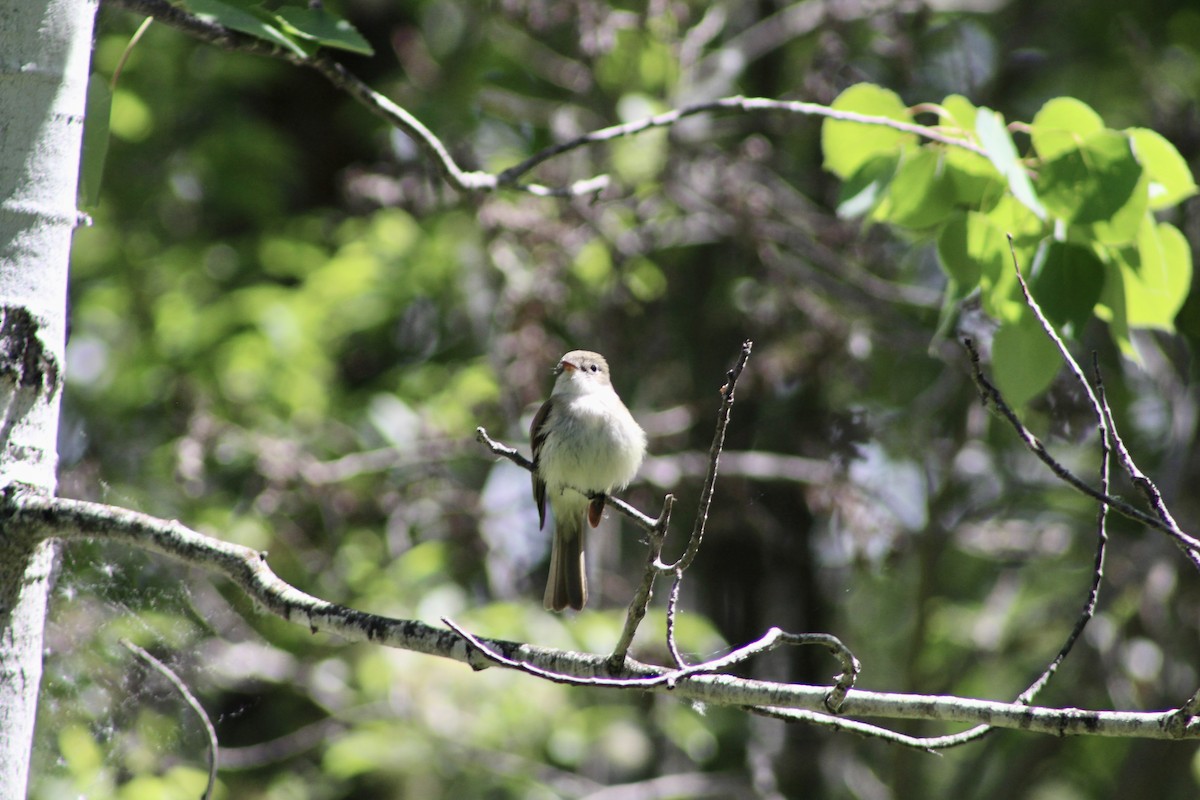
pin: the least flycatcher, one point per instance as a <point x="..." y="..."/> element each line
<point x="584" y="442"/>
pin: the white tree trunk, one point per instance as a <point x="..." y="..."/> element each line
<point x="45" y="46"/>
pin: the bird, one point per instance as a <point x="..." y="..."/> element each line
<point x="585" y="442"/>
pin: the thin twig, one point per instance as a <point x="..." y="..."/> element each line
<point x="514" y="455"/>
<point x="769" y="641"/>
<point x="845" y="725"/>
<point x="991" y="395"/>
<point x="735" y="103"/>
<point x="645" y="591"/>
<point x="1149" y="490"/>
<point x="191" y="700"/>
<point x="672" y="604"/>
<point x="714" y="458"/>
<point x="654" y="564"/>
<point x="503" y="450"/>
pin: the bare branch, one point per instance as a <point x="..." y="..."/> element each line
<point x="736" y="103"/>
<point x="26" y="512"/>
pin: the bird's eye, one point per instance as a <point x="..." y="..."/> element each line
<point x="594" y="368"/>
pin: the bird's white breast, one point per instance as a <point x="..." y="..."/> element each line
<point x="611" y="443"/>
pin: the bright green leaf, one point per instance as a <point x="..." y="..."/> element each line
<point x="1171" y="179"/>
<point x="1024" y="360"/>
<point x="1157" y="276"/>
<point x="243" y="21"/>
<point x="78" y="748"/>
<point x="1092" y="182"/>
<point x="849" y="145"/>
<point x="1061" y="125"/>
<point x="998" y="143"/>
<point x="324" y="28"/>
<point x="973" y="251"/>
<point x="1014" y="217"/>
<point x="921" y="194"/>
<point x="960" y="113"/>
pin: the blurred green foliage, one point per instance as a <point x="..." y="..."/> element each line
<point x="285" y="329"/>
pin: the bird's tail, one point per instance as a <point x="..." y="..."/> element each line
<point x="567" y="585"/>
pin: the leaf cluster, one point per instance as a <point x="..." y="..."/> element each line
<point x="1080" y="205"/>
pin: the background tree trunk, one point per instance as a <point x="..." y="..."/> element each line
<point x="43" y="86"/>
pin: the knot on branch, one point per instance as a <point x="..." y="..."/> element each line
<point x="23" y="357"/>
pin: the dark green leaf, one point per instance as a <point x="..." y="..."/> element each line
<point x="324" y="28"/>
<point x="1067" y="283"/>
<point x="1024" y="360"/>
<point x="1092" y="182"/>
<point x="242" y="21"/>
<point x="95" y="140"/>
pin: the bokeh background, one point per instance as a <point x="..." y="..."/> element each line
<point x="285" y="329"/>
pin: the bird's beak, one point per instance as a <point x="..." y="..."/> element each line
<point x="563" y="365"/>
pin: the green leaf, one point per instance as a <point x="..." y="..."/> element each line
<point x="1068" y="281"/>
<point x="1024" y="360"/>
<point x="1157" y="275"/>
<point x="998" y="143"/>
<point x="1171" y="180"/>
<point x="976" y="182"/>
<point x="849" y="145"/>
<point x="320" y="26"/>
<point x="1123" y="226"/>
<point x="95" y="140"/>
<point x="921" y="194"/>
<point x="1093" y="181"/>
<point x="960" y="113"/>
<point x="973" y="251"/>
<point x="242" y="21"/>
<point x="1061" y="125"/>
<point x="867" y="187"/>
<point x="1111" y="309"/>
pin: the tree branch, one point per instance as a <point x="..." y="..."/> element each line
<point x="25" y="512"/>
<point x="470" y="181"/>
